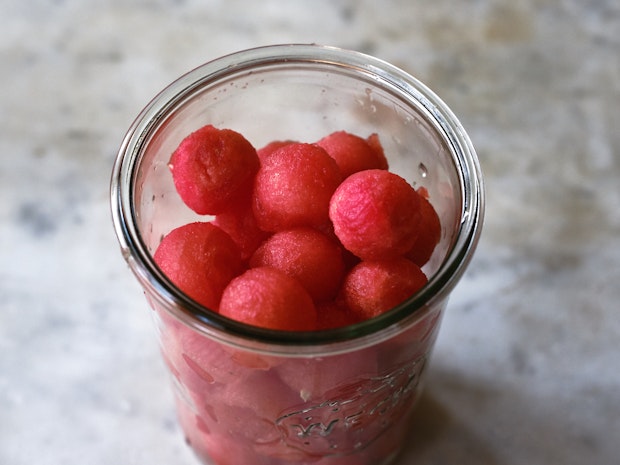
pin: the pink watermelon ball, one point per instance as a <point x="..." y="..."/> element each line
<point x="219" y="448"/>
<point x="411" y="344"/>
<point x="293" y="187"/>
<point x="271" y="147"/>
<point x="352" y="153"/>
<point x="375" y="143"/>
<point x="251" y="360"/>
<point x="374" y="287"/>
<point x="381" y="439"/>
<point x="239" y="222"/>
<point x="349" y="259"/>
<point x="262" y="392"/>
<point x="429" y="234"/>
<point x="247" y="407"/>
<point x="269" y="298"/>
<point x="333" y="314"/>
<point x="280" y="453"/>
<point x="200" y="259"/>
<point x="197" y="360"/>
<point x="196" y="432"/>
<point x="375" y="214"/>
<point x="316" y="379"/>
<point x="308" y="255"/>
<point x="211" y="166"/>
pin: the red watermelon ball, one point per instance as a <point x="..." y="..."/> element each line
<point x="272" y="146"/>
<point x="219" y="448"/>
<point x="334" y="314"/>
<point x="262" y="392"/>
<point x="211" y="167"/>
<point x="293" y="187"/>
<point x="314" y="379"/>
<point x="239" y="222"/>
<point x="429" y="235"/>
<point x="375" y="214"/>
<point x="269" y="298"/>
<point x="374" y="287"/>
<point x="199" y="361"/>
<point x="200" y="259"/>
<point x="308" y="255"/>
<point x="353" y="153"/>
<point x="247" y="407"/>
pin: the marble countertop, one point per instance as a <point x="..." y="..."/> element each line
<point x="525" y="370"/>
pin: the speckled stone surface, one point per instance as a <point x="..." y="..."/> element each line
<point x="526" y="367"/>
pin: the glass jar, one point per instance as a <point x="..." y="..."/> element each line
<point x="247" y="395"/>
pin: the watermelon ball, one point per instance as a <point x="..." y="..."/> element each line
<point x="239" y="222"/>
<point x="246" y="407"/>
<point x="308" y="255"/>
<point x="199" y="360"/>
<point x="353" y="153"/>
<point x="315" y="379"/>
<point x="262" y="392"/>
<point x="429" y="234"/>
<point x="375" y="143"/>
<point x="349" y="259"/>
<point x="271" y="147"/>
<point x="375" y="214"/>
<point x="374" y="287"/>
<point x="293" y="187"/>
<point x="210" y="168"/>
<point x="269" y="298"/>
<point x="200" y="259"/>
<point x="333" y="314"/>
<point x="219" y="448"/>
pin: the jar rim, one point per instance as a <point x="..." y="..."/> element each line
<point x="231" y="332"/>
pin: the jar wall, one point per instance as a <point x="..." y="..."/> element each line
<point x="339" y="397"/>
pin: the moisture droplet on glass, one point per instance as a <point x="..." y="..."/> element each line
<point x="126" y="253"/>
<point x="422" y="170"/>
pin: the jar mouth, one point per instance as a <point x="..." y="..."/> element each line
<point x="437" y="113"/>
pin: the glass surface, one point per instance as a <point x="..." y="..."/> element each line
<point x="248" y="395"/>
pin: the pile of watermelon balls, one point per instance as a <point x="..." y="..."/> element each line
<point x="301" y="236"/>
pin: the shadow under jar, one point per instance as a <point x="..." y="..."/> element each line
<point x="247" y="395"/>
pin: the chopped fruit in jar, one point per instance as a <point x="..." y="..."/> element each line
<point x="375" y="214"/>
<point x="352" y="153"/>
<point x="200" y="259"/>
<point x="308" y="255"/>
<point x="304" y="236"/>
<point x="293" y="187"/>
<point x="211" y="167"/>
<point x="269" y="298"/>
<point x="374" y="287"/>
